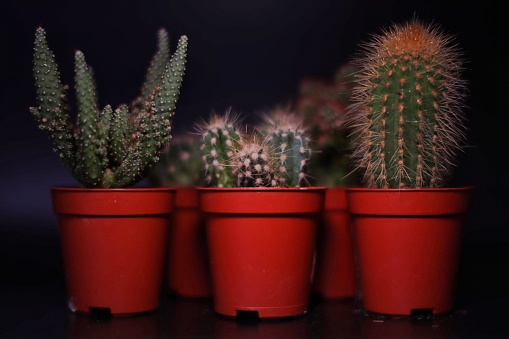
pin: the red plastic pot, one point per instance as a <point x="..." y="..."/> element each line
<point x="261" y="246"/>
<point x="113" y="246"/>
<point x="187" y="273"/>
<point x="335" y="265"/>
<point x="408" y="247"/>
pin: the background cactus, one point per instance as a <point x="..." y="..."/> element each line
<point x="180" y="163"/>
<point x="108" y="148"/>
<point x="220" y="136"/>
<point x="407" y="106"/>
<point x="322" y="104"/>
<point x="286" y="136"/>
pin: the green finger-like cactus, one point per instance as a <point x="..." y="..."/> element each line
<point x="108" y="148"/>
<point x="220" y="138"/>
<point x="406" y="115"/>
<point x="285" y="134"/>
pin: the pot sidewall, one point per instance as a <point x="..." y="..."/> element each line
<point x="113" y="260"/>
<point x="408" y="258"/>
<point x="261" y="262"/>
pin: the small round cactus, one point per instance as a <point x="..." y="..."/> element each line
<point x="407" y="118"/>
<point x="253" y="164"/>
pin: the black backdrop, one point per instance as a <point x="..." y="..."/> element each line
<point x="246" y="54"/>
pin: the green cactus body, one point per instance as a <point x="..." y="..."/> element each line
<point x="220" y="138"/>
<point x="180" y="163"/>
<point x="253" y="165"/>
<point x="286" y="136"/>
<point x="108" y="148"/>
<point x="406" y="116"/>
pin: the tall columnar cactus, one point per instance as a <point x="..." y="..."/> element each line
<point x="407" y="106"/>
<point x="180" y="163"/>
<point x="286" y="135"/>
<point x="220" y="139"/>
<point x="108" y="148"/>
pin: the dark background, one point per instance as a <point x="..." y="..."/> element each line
<point x="249" y="55"/>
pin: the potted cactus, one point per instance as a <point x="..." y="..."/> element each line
<point x="322" y="104"/>
<point x="408" y="125"/>
<point x="113" y="236"/>
<point x="187" y="270"/>
<point x="260" y="216"/>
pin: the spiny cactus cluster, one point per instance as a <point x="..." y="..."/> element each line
<point x="285" y="135"/>
<point x="108" y="148"/>
<point x="273" y="154"/>
<point x="322" y="104"/>
<point x="407" y="107"/>
<point x="180" y="163"/>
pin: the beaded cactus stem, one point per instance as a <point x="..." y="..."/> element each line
<point x="407" y="105"/>
<point x="220" y="138"/>
<point x="107" y="148"/>
<point x="286" y="136"/>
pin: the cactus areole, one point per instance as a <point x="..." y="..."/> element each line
<point x="406" y="114"/>
<point x="108" y="148"/>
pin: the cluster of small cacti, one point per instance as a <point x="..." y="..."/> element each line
<point x="108" y="148"/>
<point x="273" y="154"/>
<point x="322" y="103"/>
<point x="180" y="163"/>
<point x="407" y="107"/>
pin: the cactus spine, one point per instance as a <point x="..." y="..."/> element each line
<point x="407" y="106"/>
<point x="220" y="138"/>
<point x="253" y="164"/>
<point x="286" y="136"/>
<point x="108" y="148"/>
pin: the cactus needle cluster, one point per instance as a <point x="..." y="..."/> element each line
<point x="110" y="147"/>
<point x="273" y="154"/>
<point x="407" y="111"/>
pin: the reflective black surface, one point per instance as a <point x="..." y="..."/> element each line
<point x="33" y="305"/>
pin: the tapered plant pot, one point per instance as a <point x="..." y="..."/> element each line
<point x="261" y="245"/>
<point x="408" y="247"/>
<point x="113" y="246"/>
<point x="335" y="265"/>
<point x="187" y="272"/>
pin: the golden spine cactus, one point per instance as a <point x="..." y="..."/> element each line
<point x="407" y="107"/>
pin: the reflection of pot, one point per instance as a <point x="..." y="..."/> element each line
<point x="113" y="246"/>
<point x="187" y="272"/>
<point x="141" y="326"/>
<point x="383" y="327"/>
<point x="408" y="247"/>
<point x="261" y="246"/>
<point x="255" y="329"/>
<point x="335" y="267"/>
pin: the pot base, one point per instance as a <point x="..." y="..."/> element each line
<point x="262" y="312"/>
